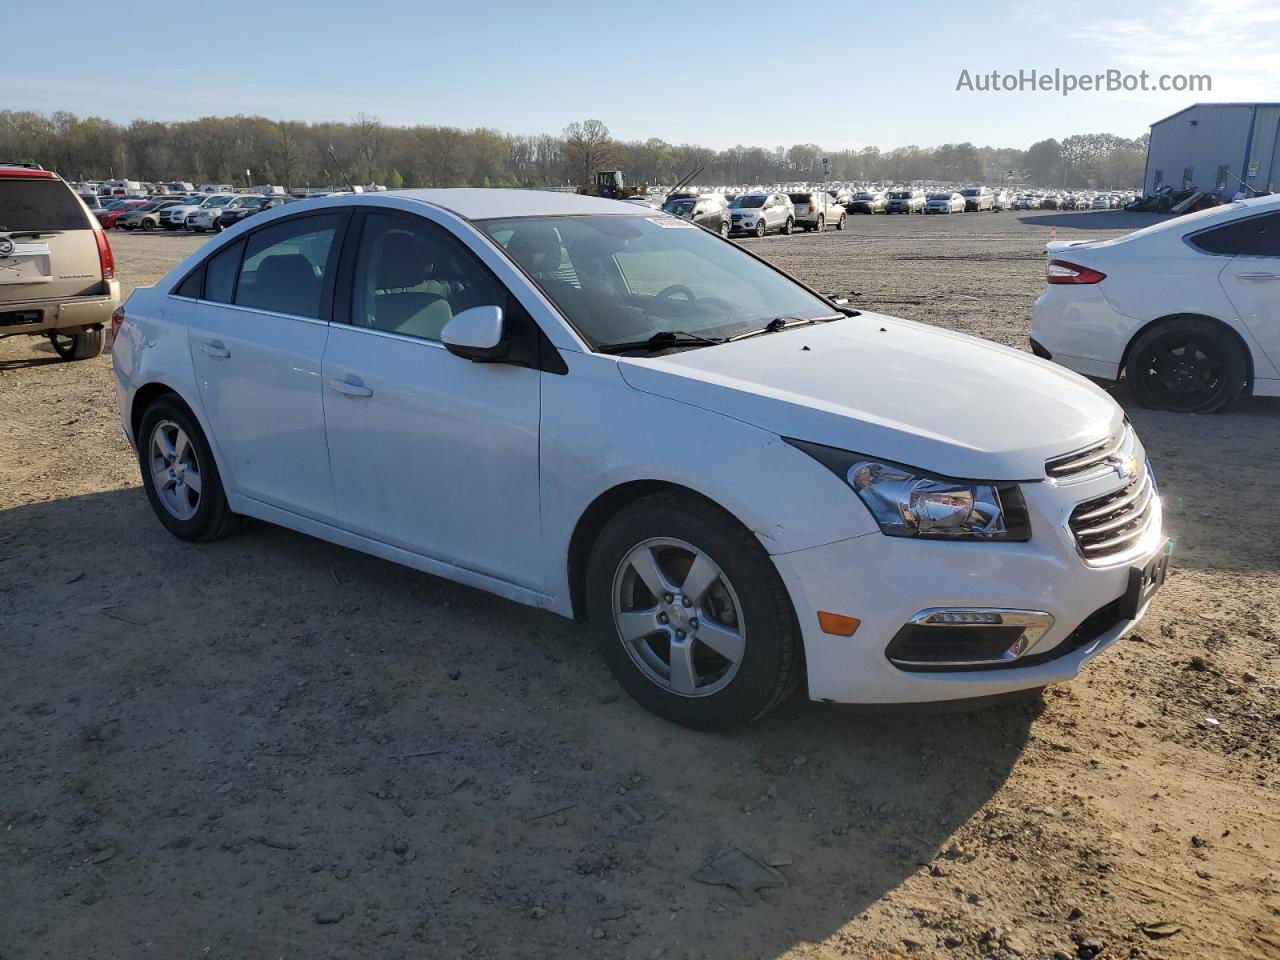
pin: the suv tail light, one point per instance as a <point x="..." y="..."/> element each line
<point x="1063" y="271"/>
<point x="117" y="321"/>
<point x="106" y="259"/>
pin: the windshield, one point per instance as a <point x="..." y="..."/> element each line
<point x="971" y="192"/>
<point x="865" y="196"/>
<point x="217" y="201"/>
<point x="753" y="201"/>
<point x="619" y="279"/>
<point x="939" y="196"/>
<point x="900" y="195"/>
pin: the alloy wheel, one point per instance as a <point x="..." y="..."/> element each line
<point x="1183" y="373"/>
<point x="678" y="617"/>
<point x="175" y="470"/>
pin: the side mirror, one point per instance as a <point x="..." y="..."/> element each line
<point x="477" y="334"/>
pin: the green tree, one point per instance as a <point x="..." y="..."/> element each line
<point x="394" y="180"/>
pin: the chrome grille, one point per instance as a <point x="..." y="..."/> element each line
<point x="1109" y="526"/>
<point x="1090" y="460"/>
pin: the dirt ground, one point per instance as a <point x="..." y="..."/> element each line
<point x="273" y="747"/>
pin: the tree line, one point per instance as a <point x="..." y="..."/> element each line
<point x="254" y="150"/>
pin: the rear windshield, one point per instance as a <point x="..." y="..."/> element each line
<point x="971" y="192"/>
<point x="900" y="195"/>
<point x="800" y="197"/>
<point x="40" y="205"/>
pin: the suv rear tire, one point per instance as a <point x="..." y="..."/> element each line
<point x="84" y="345"/>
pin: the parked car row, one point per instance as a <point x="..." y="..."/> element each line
<point x="1073" y="201"/>
<point x="914" y="200"/>
<point x="757" y="214"/>
<point x="199" y="212"/>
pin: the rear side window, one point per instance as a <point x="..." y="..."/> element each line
<point x="34" y="204"/>
<point x="285" y="266"/>
<point x="220" y="273"/>
<point x="1251" y="237"/>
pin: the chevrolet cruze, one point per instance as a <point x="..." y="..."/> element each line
<point x="607" y="412"/>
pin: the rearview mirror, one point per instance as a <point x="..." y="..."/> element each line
<point x="477" y="334"/>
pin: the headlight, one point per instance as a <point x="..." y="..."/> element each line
<point x="907" y="502"/>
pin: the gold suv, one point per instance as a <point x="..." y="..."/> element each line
<point x="57" y="273"/>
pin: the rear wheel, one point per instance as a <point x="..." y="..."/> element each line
<point x="1187" y="365"/>
<point x="179" y="474"/>
<point x="82" y="345"/>
<point x="789" y="227"/>
<point x="690" y="615"/>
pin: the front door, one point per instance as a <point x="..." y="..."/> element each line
<point x="1251" y="279"/>
<point x="430" y="452"/>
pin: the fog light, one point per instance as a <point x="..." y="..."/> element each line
<point x="972" y="639"/>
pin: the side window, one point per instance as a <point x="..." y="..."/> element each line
<point x="285" y="265"/>
<point x="193" y="285"/>
<point x="413" y="276"/>
<point x="220" y="273"/>
<point x="1252" y="237"/>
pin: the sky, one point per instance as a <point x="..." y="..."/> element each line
<point x="840" y="74"/>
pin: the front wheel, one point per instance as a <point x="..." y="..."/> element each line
<point x="690" y="615"/>
<point x="83" y="345"/>
<point x="840" y="224"/>
<point x="1187" y="365"/>
<point x="760" y="228"/>
<point x="724" y="229"/>
<point x="822" y="224"/>
<point x="148" y="225"/>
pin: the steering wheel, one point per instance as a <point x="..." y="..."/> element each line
<point x="676" y="288"/>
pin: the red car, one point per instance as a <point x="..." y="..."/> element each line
<point x="109" y="214"/>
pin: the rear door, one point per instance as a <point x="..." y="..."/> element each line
<point x="1251" y="279"/>
<point x="258" y="337"/>
<point x="48" y="250"/>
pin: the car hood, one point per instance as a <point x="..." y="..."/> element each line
<point x="907" y="392"/>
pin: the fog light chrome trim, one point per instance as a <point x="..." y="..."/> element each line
<point x="1035" y="624"/>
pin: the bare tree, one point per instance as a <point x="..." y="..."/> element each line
<point x="369" y="134"/>
<point x="587" y="148"/>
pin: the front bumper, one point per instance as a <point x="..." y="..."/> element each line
<point x="886" y="581"/>
<point x="70" y="313"/>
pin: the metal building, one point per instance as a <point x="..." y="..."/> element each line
<point x="1216" y="146"/>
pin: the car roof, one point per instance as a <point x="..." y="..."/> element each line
<point x="477" y="203"/>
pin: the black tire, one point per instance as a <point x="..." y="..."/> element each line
<point x="148" y="225"/>
<point x="789" y="227"/>
<point x="213" y="518"/>
<point x="218" y="227"/>
<point x="822" y="224"/>
<point x="81" y="345"/>
<point x="840" y="224"/>
<point x="772" y="662"/>
<point x="761" y="228"/>
<point x="1187" y="365"/>
<point x="724" y="229"/>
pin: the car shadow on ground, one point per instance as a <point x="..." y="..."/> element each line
<point x="1093" y="219"/>
<point x="273" y="744"/>
<point x="42" y="347"/>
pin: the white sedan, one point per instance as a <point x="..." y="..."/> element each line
<point x="1186" y="311"/>
<point x="607" y="412"/>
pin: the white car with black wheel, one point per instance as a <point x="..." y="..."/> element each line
<point x="1187" y="311"/>
<point x="614" y="415"/>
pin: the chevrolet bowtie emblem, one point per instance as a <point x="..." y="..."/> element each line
<point x="1126" y="468"/>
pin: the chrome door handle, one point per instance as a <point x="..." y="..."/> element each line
<point x="215" y="349"/>
<point x="349" y="389"/>
<point x="1256" y="276"/>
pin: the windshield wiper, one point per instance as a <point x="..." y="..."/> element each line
<point x="782" y="323"/>
<point x="661" y="341"/>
